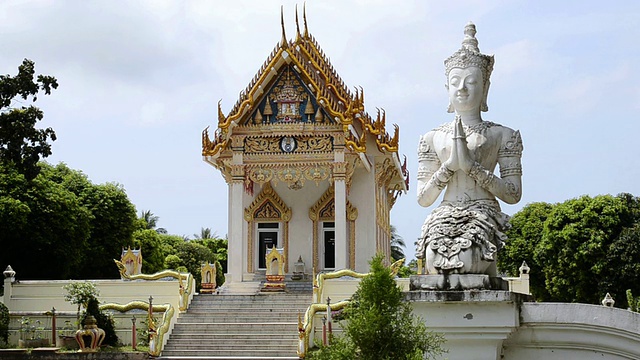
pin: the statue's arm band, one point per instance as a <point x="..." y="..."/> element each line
<point x="441" y="177"/>
<point x="497" y="186"/>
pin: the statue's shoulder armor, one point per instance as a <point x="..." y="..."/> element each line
<point x="511" y="141"/>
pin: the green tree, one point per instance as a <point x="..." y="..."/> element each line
<point x="205" y="233"/>
<point x="192" y="256"/>
<point x="112" y="220"/>
<point x="525" y="235"/>
<point x="150" y="221"/>
<point x="380" y="324"/>
<point x="578" y="250"/>
<point x="219" y="247"/>
<point x="45" y="227"/>
<point x="153" y="252"/>
<point x="59" y="225"/>
<point x="21" y="143"/>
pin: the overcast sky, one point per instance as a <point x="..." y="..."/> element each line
<point x="140" y="80"/>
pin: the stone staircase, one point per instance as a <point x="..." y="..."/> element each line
<point x="231" y="326"/>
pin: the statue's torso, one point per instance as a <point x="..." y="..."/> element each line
<point x="484" y="141"/>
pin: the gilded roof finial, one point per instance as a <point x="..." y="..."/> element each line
<point x="304" y="19"/>
<point x="297" y="25"/>
<point x="283" y="42"/>
<point x="221" y="117"/>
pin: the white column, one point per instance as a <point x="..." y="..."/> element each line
<point x="341" y="223"/>
<point x="235" y="262"/>
<point x="340" y="201"/>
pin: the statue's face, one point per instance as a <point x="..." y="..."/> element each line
<point x="466" y="89"/>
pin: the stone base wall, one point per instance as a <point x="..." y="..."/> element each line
<point x="10" y="354"/>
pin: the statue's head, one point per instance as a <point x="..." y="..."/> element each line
<point x="469" y="63"/>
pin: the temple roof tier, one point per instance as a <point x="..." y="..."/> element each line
<point x="296" y="93"/>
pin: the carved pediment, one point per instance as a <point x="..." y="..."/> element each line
<point x="288" y="101"/>
<point x="324" y="209"/>
<point x="268" y="206"/>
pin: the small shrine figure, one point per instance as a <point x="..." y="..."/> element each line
<point x="132" y="260"/>
<point x="208" y="284"/>
<point x="275" y="270"/>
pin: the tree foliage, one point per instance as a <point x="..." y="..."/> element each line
<point x="4" y="324"/>
<point x="21" y="143"/>
<point x="59" y="225"/>
<point x="578" y="250"/>
<point x="380" y="324"/>
<point x="103" y="320"/>
<point x="150" y="221"/>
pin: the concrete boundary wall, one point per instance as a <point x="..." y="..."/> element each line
<point x="574" y="331"/>
<point x="33" y="298"/>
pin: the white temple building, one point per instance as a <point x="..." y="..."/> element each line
<point x="309" y="171"/>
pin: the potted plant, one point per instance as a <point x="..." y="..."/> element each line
<point x="31" y="334"/>
<point x="66" y="338"/>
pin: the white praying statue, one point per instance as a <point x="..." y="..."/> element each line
<point x="464" y="233"/>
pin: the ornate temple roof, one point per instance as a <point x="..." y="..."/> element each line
<point x="298" y="73"/>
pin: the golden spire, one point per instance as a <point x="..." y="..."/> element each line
<point x="304" y="19"/>
<point x="308" y="110"/>
<point x="319" y="116"/>
<point x="283" y="42"/>
<point x="221" y="118"/>
<point x="257" y="119"/>
<point x="297" y="25"/>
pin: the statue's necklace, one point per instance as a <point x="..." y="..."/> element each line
<point x="479" y="128"/>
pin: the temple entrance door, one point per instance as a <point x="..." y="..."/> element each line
<point x="267" y="238"/>
<point x="329" y="244"/>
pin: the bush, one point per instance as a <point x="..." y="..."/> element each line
<point x="80" y="293"/>
<point x="380" y="324"/>
<point x="4" y="324"/>
<point x="104" y="322"/>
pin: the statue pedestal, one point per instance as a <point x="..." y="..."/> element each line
<point x="457" y="282"/>
<point x="474" y="322"/>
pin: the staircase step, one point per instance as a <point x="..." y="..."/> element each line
<point x="232" y="326"/>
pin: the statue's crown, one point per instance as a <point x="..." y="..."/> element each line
<point x="469" y="55"/>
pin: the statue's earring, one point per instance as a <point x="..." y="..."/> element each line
<point x="450" y="107"/>
<point x="483" y="106"/>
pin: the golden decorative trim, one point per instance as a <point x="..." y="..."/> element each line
<point x="314" y="244"/>
<point x="155" y="346"/>
<point x="352" y="242"/>
<point x="289" y="129"/>
<point x="286" y="246"/>
<point x="289" y="173"/>
<point x="184" y="292"/>
<point x="250" y="231"/>
<point x="267" y="206"/>
<point x="297" y="159"/>
<point x="268" y="194"/>
<point x="324" y="210"/>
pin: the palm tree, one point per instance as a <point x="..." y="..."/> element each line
<point x="397" y="244"/>
<point x="151" y="221"/>
<point x="206" y="233"/>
